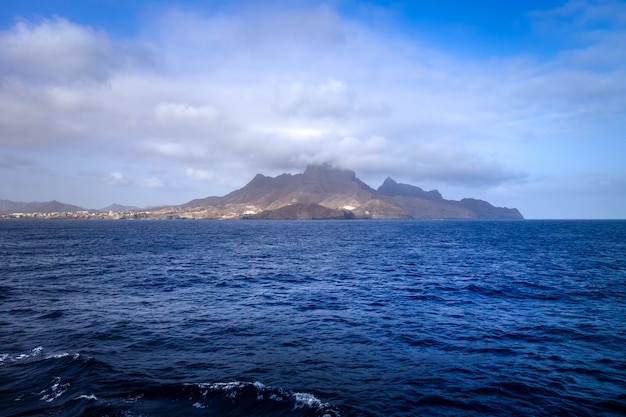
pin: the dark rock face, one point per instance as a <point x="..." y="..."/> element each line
<point x="484" y="210"/>
<point x="301" y="211"/>
<point x="393" y="189"/>
<point x="313" y="186"/>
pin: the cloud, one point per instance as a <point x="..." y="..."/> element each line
<point x="176" y="150"/>
<point x="200" y="174"/>
<point x="264" y="35"/>
<point x="329" y="99"/>
<point x="153" y="182"/>
<point x="354" y="153"/>
<point x="183" y="112"/>
<point x="56" y="51"/>
<point x="61" y="52"/>
<point x="578" y="16"/>
<point x="54" y="81"/>
<point x="116" y="178"/>
<point x="374" y="110"/>
<point x="254" y="89"/>
<point x="27" y="117"/>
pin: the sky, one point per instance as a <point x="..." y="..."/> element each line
<point x="154" y="102"/>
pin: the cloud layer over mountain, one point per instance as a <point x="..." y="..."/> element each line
<point x="198" y="99"/>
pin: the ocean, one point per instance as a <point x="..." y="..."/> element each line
<point x="312" y="318"/>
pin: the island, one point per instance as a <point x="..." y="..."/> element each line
<point x="320" y="192"/>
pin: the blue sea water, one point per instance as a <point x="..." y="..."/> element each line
<point x="313" y="318"/>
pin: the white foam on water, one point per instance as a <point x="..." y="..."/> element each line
<point x="260" y="386"/>
<point x="275" y="397"/>
<point x="87" y="397"/>
<point x="233" y="388"/>
<point x="300" y="399"/>
<point x="58" y="355"/>
<point x="33" y="353"/>
<point x="223" y="386"/>
<point x="54" y="391"/>
<point x="303" y="399"/>
<point x="133" y="399"/>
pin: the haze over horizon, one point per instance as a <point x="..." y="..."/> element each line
<point x="160" y="102"/>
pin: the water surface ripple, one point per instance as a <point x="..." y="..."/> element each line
<point x="317" y="318"/>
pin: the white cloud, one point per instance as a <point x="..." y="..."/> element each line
<point x="374" y="110"/>
<point x="61" y="52"/>
<point x="56" y="51"/>
<point x="176" y="150"/>
<point x="153" y="182"/>
<point x="116" y="178"/>
<point x="183" y="113"/>
<point x="55" y="80"/>
<point x="27" y="117"/>
<point x="199" y="174"/>
<point x="353" y="153"/>
<point x="329" y="99"/>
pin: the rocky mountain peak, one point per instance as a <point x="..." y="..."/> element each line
<point x="326" y="171"/>
<point x="393" y="189"/>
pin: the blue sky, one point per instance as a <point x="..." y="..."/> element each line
<point x="522" y="104"/>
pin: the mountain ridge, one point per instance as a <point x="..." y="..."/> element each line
<point x="344" y="195"/>
<point x="320" y="192"/>
<point x="7" y="206"/>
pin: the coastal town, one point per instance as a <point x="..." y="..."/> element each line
<point x="83" y="214"/>
<point x="227" y="212"/>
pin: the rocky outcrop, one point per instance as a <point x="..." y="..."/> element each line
<point x="300" y="211"/>
<point x="483" y="210"/>
<point x="391" y="188"/>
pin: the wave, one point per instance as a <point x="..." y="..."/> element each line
<point x="74" y="385"/>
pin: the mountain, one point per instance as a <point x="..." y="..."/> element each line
<point x="430" y="204"/>
<point x="119" y="207"/>
<point x="302" y="211"/>
<point x="324" y="192"/>
<point x="53" y="206"/>
<point x="393" y="189"/>
<point x="329" y="187"/>
<point x="7" y="206"/>
<point x="320" y="192"/>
